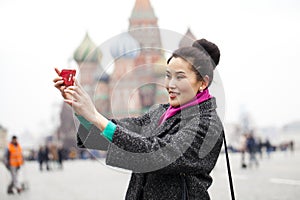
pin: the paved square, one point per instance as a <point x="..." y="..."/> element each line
<point x="275" y="178"/>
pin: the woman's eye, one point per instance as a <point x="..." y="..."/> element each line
<point x="179" y="77"/>
<point x="168" y="76"/>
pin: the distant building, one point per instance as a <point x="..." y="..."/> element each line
<point x="132" y="87"/>
<point x="292" y="127"/>
<point x="291" y="132"/>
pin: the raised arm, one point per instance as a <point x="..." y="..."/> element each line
<point x="192" y="146"/>
<point x="89" y="136"/>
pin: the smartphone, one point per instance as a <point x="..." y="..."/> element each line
<point x="67" y="75"/>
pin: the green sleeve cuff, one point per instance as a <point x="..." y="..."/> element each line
<point x="109" y="131"/>
<point x="84" y="122"/>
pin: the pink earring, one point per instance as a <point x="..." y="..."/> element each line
<point x="201" y="89"/>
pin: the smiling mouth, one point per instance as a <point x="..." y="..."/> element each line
<point x="173" y="95"/>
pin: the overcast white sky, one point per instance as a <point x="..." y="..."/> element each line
<point x="259" y="42"/>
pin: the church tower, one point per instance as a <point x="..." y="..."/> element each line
<point x="144" y="28"/>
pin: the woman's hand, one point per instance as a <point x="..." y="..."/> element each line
<point x="81" y="102"/>
<point x="58" y="83"/>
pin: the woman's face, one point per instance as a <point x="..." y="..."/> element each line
<point x="181" y="82"/>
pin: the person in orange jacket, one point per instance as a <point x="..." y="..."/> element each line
<point x="14" y="160"/>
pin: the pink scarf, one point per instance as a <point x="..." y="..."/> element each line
<point x="171" y="111"/>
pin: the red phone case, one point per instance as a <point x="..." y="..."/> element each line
<point x="67" y="75"/>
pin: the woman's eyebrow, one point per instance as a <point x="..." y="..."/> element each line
<point x="176" y="72"/>
<point x="180" y="72"/>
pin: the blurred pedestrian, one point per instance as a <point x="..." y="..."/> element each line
<point x="43" y="157"/>
<point x="47" y="158"/>
<point x="252" y="149"/>
<point x="40" y="157"/>
<point x="60" y="153"/>
<point x="269" y="147"/>
<point x="259" y="146"/>
<point x="292" y="146"/>
<point x="243" y="149"/>
<point x="14" y="161"/>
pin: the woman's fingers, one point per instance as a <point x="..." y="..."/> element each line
<point x="58" y="84"/>
<point x="72" y="92"/>
<point x="69" y="101"/>
<point x="57" y="79"/>
<point x="77" y="86"/>
<point x="72" y="103"/>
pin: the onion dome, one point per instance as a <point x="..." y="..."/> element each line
<point x="87" y="51"/>
<point x="187" y="39"/>
<point x="124" y="45"/>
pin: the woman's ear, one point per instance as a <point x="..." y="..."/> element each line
<point x="204" y="83"/>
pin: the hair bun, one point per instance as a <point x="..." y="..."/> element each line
<point x="210" y="48"/>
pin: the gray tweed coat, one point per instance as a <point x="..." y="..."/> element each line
<point x="168" y="161"/>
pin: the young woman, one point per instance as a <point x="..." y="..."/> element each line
<point x="172" y="149"/>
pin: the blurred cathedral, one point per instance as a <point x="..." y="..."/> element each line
<point x="135" y="83"/>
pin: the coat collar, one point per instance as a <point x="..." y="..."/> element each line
<point x="204" y="107"/>
<point x="186" y="114"/>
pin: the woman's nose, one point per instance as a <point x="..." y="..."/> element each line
<point x="172" y="83"/>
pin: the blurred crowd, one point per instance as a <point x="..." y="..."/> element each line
<point x="51" y="156"/>
<point x="254" y="148"/>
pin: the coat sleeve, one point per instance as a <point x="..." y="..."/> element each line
<point x="194" y="146"/>
<point x="92" y="139"/>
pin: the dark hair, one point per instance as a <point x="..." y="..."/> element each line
<point x="203" y="56"/>
<point x="14" y="137"/>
